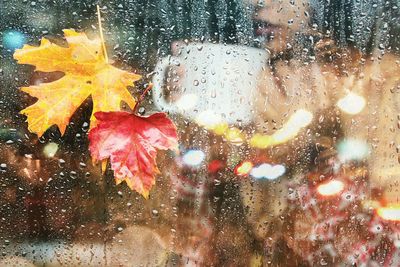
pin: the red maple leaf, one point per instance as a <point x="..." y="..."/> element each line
<point x="131" y="143"/>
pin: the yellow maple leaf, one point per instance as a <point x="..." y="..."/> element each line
<point x="87" y="73"/>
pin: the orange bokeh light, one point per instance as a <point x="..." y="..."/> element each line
<point x="243" y="168"/>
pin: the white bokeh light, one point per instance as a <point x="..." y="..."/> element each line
<point x="352" y="149"/>
<point x="268" y="171"/>
<point x="193" y="157"/>
<point x="351" y="103"/>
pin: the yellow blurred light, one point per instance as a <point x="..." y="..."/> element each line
<point x="234" y="135"/>
<point x="391" y="213"/>
<point x="330" y="188"/>
<point x="244" y="168"/>
<point x="261" y="141"/>
<point x="220" y="128"/>
<point x="292" y="127"/>
<point x="351" y="103"/>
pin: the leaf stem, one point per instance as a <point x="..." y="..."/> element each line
<point x="103" y="44"/>
<point x="148" y="88"/>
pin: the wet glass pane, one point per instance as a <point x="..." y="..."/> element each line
<point x="287" y="120"/>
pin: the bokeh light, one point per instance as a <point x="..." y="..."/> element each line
<point x="351" y="103"/>
<point x="50" y="149"/>
<point x="330" y="188"/>
<point x="391" y="213"/>
<point x="193" y="157"/>
<point x="352" y="149"/>
<point x="292" y="127"/>
<point x="268" y="171"/>
<point x="297" y="121"/>
<point x="13" y="39"/>
<point x="208" y="119"/>
<point x="243" y="168"/>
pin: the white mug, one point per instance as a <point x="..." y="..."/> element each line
<point x="219" y="84"/>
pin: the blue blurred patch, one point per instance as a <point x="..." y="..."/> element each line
<point x="13" y="39"/>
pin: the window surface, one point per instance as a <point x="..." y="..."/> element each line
<point x="200" y="133"/>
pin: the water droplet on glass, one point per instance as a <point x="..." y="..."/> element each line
<point x="61" y="163"/>
<point x="142" y="111"/>
<point x="3" y="167"/>
<point x="85" y="127"/>
<point x="42" y="139"/>
<point x="73" y="174"/>
<point x="213" y="93"/>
